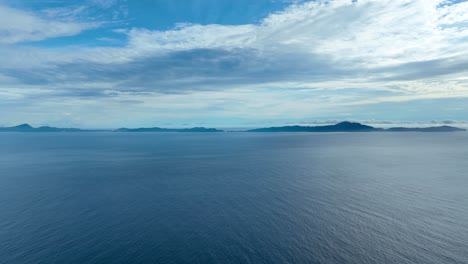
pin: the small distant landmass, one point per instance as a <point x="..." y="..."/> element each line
<point x="158" y="129"/>
<point x="426" y="129"/>
<point x="340" y="127"/>
<point x="28" y="128"/>
<point x="354" y="127"/>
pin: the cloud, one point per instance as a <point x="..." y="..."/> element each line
<point x="309" y="58"/>
<point x="20" y="26"/>
<point x="105" y="3"/>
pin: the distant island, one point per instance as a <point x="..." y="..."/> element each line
<point x="427" y="129"/>
<point x="340" y="127"/>
<point x="354" y="127"/>
<point x="28" y="128"/>
<point x="158" y="129"/>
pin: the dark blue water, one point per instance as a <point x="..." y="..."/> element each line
<point x="234" y="198"/>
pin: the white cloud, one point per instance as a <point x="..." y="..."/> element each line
<point x="187" y="36"/>
<point x="104" y="3"/>
<point x="375" y="33"/>
<point x="21" y="26"/>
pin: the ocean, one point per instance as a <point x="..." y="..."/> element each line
<point x="233" y="198"/>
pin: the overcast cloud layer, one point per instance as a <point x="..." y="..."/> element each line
<point x="318" y="60"/>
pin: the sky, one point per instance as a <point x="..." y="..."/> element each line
<point x="232" y="63"/>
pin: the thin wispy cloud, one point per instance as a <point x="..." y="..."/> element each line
<point x="18" y="26"/>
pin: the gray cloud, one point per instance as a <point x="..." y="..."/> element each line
<point x="423" y="69"/>
<point x="180" y="71"/>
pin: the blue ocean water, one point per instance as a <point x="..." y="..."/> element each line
<point x="233" y="198"/>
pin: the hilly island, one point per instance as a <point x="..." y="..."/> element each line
<point x="355" y="127"/>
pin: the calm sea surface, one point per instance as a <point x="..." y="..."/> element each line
<point x="233" y="198"/>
